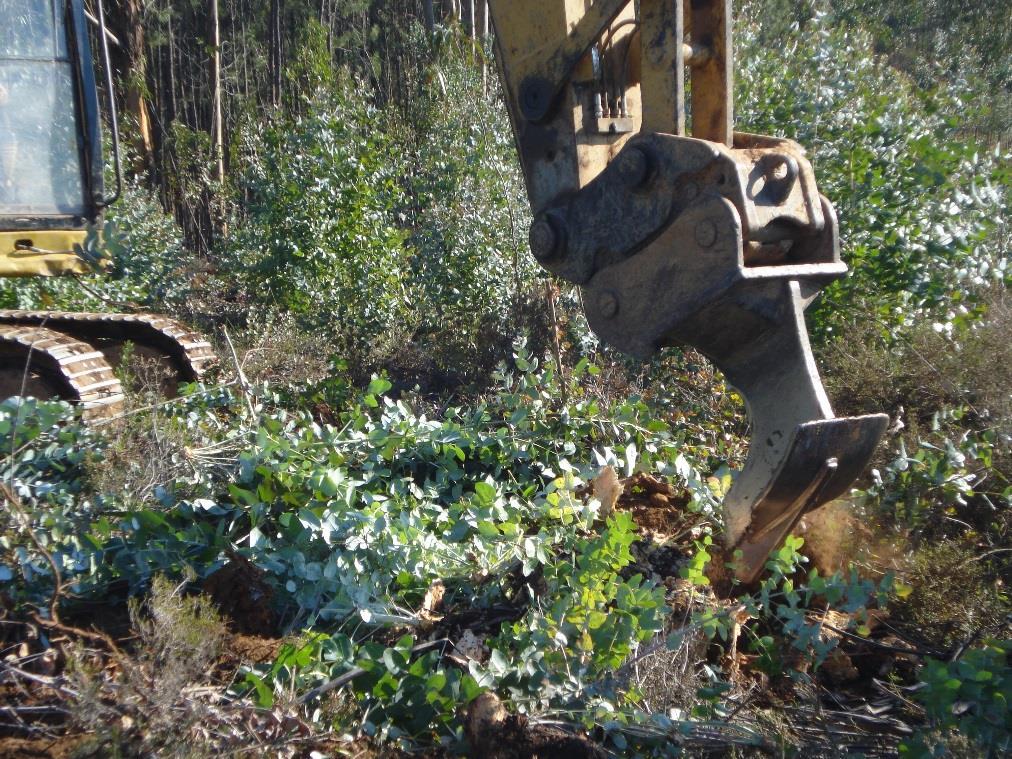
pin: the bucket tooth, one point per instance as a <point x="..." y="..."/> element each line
<point x="823" y="459"/>
<point x="801" y="456"/>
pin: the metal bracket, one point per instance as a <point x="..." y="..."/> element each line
<point x="718" y="242"/>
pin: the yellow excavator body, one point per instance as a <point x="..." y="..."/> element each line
<point x="52" y="197"/>
<point x="43" y="253"/>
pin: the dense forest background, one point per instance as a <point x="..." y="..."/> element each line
<point x="396" y="484"/>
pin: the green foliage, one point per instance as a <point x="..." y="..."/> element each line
<point x="468" y="217"/>
<point x="404" y="695"/>
<point x="322" y="240"/>
<point x="783" y="606"/>
<point x="593" y="624"/>
<point x="43" y="466"/>
<point x="971" y="695"/>
<point x="399" y="233"/>
<point x="695" y="570"/>
<point x="385" y="216"/>
<point x="945" y="477"/>
<point x="352" y="522"/>
<point x="311" y="72"/>
<point x="965" y="43"/>
<point x="876" y="143"/>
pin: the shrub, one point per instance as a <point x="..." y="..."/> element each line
<point x="968" y="696"/>
<point x="930" y="366"/>
<point x="321" y="238"/>
<point x="878" y="143"/>
<point x="953" y="481"/>
<point x="940" y="572"/>
<point x="468" y="217"/>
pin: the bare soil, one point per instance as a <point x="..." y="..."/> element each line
<point x="243" y="596"/>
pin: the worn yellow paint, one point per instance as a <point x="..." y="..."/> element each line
<point x="60" y="256"/>
<point x="530" y="34"/>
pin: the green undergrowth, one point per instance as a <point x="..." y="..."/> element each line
<point x="352" y="520"/>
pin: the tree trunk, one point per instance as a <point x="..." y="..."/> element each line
<point x="484" y="27"/>
<point x="217" y="140"/>
<point x="430" y="16"/>
<point x="130" y="62"/>
<point x="468" y="11"/>
<point x="275" y="52"/>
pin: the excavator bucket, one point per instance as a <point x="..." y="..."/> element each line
<point x="801" y="455"/>
<point x="681" y="231"/>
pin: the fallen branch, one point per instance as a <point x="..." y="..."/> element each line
<point x="354" y="672"/>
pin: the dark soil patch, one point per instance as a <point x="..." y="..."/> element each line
<point x="493" y="733"/>
<point x="251" y="649"/>
<point x="110" y="616"/>
<point x="57" y="747"/>
<point x="241" y="594"/>
<point x="656" y="505"/>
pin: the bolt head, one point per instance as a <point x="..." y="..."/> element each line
<point x="535" y="97"/>
<point x="543" y="238"/>
<point x="633" y="167"/>
<point x="706" y="233"/>
<point x="607" y="304"/>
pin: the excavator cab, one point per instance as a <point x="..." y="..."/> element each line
<point x="51" y="184"/>
<point x="51" y="199"/>
<point x="682" y="231"/>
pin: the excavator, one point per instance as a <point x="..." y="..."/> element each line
<point x="681" y="231"/>
<point x="677" y="229"/>
<point x="52" y="198"/>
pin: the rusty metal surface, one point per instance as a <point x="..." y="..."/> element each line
<point x="719" y="240"/>
<point x="662" y="29"/>
<point x="549" y="74"/>
<point x="709" y="25"/>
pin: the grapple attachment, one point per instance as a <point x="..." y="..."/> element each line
<point x="718" y="241"/>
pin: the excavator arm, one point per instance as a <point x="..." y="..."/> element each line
<point x="681" y="231"/>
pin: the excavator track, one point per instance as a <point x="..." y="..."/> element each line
<point x="43" y="362"/>
<point x="188" y="353"/>
<point x="181" y="354"/>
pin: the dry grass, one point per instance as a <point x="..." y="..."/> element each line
<point x="142" y="704"/>
<point x="955" y="595"/>
<point x="280" y="352"/>
<point x="144" y="452"/>
<point x="927" y="370"/>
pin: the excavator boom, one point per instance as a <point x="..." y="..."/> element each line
<point x="681" y="231"/>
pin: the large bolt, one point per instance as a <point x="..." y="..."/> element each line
<point x="633" y="167"/>
<point x="706" y="233"/>
<point x="607" y="304"/>
<point x="544" y="239"/>
<point x="535" y="98"/>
